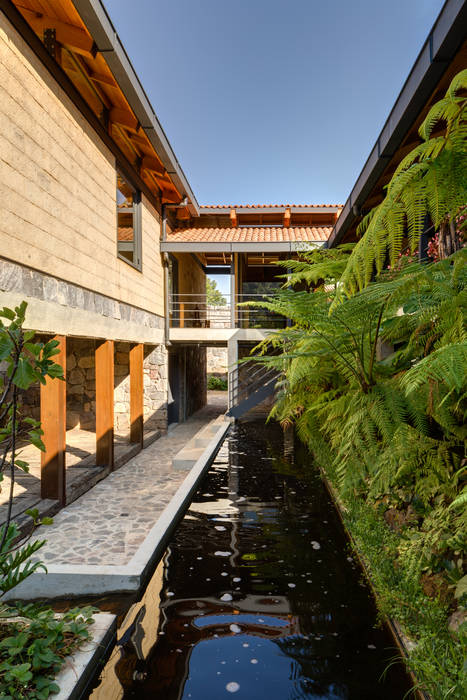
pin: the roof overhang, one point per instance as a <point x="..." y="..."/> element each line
<point x="439" y="49"/>
<point x="96" y="19"/>
<point x="233" y="247"/>
<point x="270" y="210"/>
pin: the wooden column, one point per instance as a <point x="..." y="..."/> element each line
<point x="53" y="420"/>
<point x="105" y="403"/>
<point x="136" y="393"/>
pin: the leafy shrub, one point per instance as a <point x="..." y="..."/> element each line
<point x="33" y="645"/>
<point x="33" y="641"/>
<point x="217" y="383"/>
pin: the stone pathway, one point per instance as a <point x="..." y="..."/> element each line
<point x="106" y="525"/>
<point x="80" y="468"/>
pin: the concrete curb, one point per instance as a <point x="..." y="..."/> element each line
<point x="80" y="667"/>
<point x="71" y="580"/>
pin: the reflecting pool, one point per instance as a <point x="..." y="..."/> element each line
<point x="260" y="596"/>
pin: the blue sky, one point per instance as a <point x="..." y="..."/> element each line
<point x="272" y="101"/>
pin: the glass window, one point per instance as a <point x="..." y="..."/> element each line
<point x="128" y="222"/>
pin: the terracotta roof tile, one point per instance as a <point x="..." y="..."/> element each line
<point x="246" y="234"/>
<point x="263" y="206"/>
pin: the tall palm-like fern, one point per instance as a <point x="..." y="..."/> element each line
<point x="430" y="180"/>
<point x="381" y="423"/>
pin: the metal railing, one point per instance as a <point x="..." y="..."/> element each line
<point x="248" y="377"/>
<point x="193" y="311"/>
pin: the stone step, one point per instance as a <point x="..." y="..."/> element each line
<point x="186" y="458"/>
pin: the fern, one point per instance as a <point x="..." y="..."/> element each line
<point x="431" y="179"/>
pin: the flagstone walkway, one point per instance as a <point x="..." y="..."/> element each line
<point x="107" y="524"/>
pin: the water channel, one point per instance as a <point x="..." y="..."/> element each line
<point x="258" y="595"/>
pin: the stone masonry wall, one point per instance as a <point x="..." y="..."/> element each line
<point x="155" y="387"/>
<point x="81" y="384"/>
<point x="122" y="388"/>
<point x="216" y="358"/>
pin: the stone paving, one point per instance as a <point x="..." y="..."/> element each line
<point x="80" y="467"/>
<point x="106" y="525"/>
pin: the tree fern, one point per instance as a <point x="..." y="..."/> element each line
<point x="431" y="179"/>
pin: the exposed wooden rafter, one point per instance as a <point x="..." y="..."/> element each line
<point x="73" y="37"/>
<point x="74" y="49"/>
<point x="152" y="164"/>
<point x="123" y="117"/>
<point x="83" y="70"/>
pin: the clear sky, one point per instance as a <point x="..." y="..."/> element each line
<point x="272" y="101"/>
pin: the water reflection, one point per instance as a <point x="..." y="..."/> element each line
<point x="259" y="597"/>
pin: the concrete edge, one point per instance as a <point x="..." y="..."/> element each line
<point x="74" y="580"/>
<point x="80" y="667"/>
<point x="155" y="542"/>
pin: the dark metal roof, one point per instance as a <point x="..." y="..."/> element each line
<point x="441" y="46"/>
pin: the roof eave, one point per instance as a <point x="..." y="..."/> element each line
<point x="237" y="247"/>
<point x="439" y="49"/>
<point x="95" y="17"/>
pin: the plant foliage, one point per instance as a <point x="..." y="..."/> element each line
<point x="33" y="645"/>
<point x="376" y="385"/>
<point x="430" y="181"/>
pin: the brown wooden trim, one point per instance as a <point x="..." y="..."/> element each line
<point x="68" y="34"/>
<point x="136" y="393"/>
<point x="105" y="403"/>
<point x="53" y="420"/>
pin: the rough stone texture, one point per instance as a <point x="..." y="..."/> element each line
<point x="219" y="316"/>
<point x="122" y="387"/>
<point x="155" y="388"/>
<point x="216" y="360"/>
<point x="81" y="385"/>
<point x="17" y="278"/>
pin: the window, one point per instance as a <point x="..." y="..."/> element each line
<point x="128" y="222"/>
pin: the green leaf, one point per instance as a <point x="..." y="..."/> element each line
<point x="461" y="587"/>
<point x="25" y="375"/>
<point x="7" y="313"/>
<point x="6" y="345"/>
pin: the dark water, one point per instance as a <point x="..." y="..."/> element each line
<point x="261" y="597"/>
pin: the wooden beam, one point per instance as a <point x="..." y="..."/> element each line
<point x="287" y="217"/>
<point x="67" y="34"/>
<point x="79" y="65"/>
<point x="136" y="393"/>
<point x="152" y="164"/>
<point x="233" y="218"/>
<point x="53" y="420"/>
<point x="123" y="117"/>
<point x="105" y="403"/>
<point x="103" y="79"/>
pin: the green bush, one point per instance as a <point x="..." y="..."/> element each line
<point x="217" y="383"/>
<point x="33" y="645"/>
<point x="33" y="641"/>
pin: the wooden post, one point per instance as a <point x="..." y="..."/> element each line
<point x="105" y="403"/>
<point x="136" y="393"/>
<point x="53" y="420"/>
